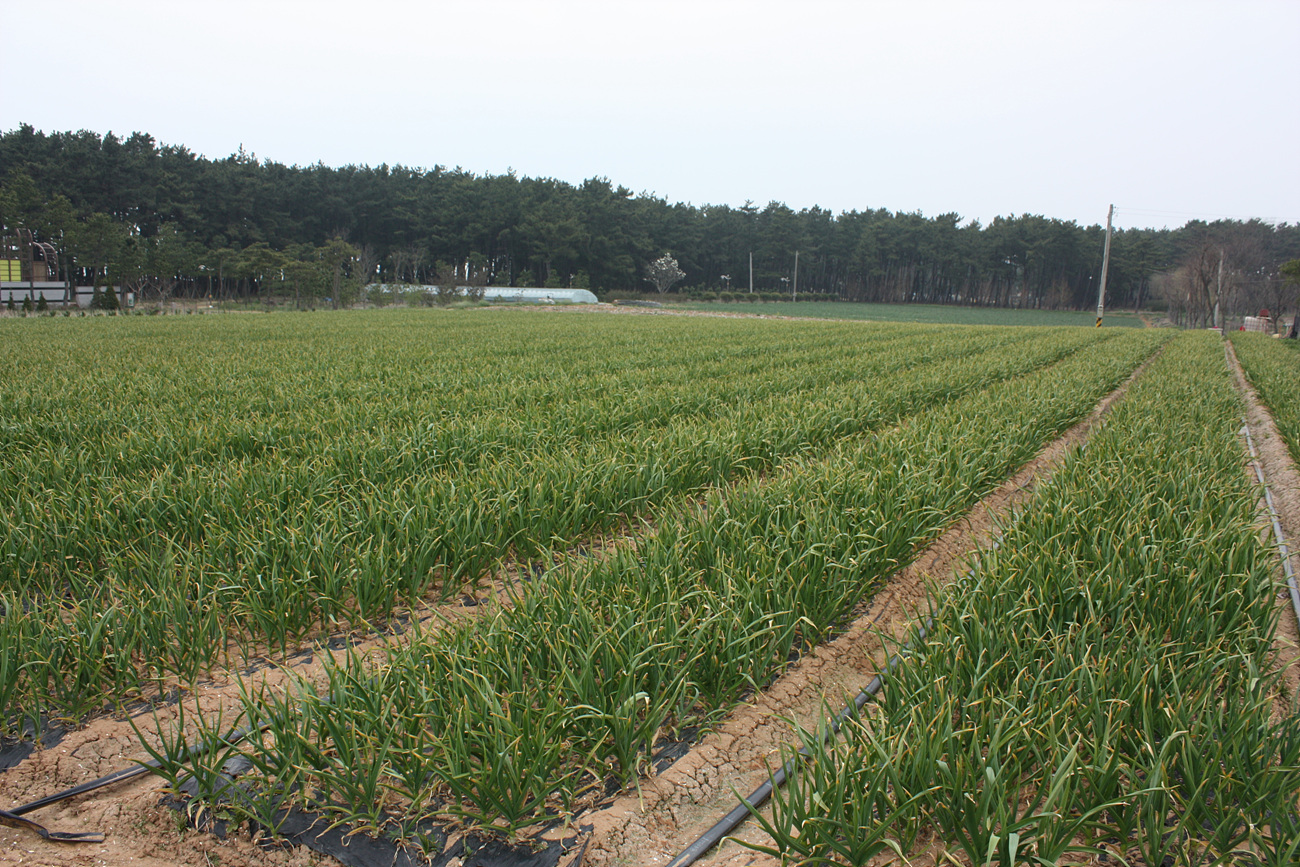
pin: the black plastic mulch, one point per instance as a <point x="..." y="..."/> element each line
<point x="14" y="750"/>
<point x="310" y="829"/>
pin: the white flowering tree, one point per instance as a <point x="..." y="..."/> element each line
<point x="663" y="272"/>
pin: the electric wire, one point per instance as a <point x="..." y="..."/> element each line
<point x="1192" y="215"/>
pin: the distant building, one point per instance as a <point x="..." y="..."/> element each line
<point x="508" y="293"/>
<point x="29" y="269"/>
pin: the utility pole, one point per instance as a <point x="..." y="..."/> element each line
<point x="794" y="287"/>
<point x="751" y="272"/>
<point x="1218" y="294"/>
<point x="1105" y="265"/>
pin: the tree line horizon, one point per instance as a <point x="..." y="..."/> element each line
<point x="168" y="222"/>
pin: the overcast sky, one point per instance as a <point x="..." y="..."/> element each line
<point x="1170" y="110"/>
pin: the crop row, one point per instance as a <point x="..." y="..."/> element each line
<point x="128" y="565"/>
<point x="1102" y="677"/>
<point x="504" y="720"/>
<point x="1273" y="368"/>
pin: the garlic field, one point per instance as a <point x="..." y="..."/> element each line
<point x="675" y="508"/>
<point x="1102" y="681"/>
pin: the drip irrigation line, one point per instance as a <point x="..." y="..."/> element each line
<point x="14" y="818"/>
<point x="760" y="796"/>
<point x="1282" y="549"/>
<point x="141" y="768"/>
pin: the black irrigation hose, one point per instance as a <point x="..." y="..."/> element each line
<point x="14" y="818"/>
<point x="728" y="823"/>
<point x="115" y="777"/>
<point x="1282" y="549"/>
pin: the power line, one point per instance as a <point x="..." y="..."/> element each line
<point x="1204" y="215"/>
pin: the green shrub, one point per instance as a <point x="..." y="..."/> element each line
<point x="106" y="300"/>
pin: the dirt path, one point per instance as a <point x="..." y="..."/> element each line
<point x="675" y="807"/>
<point x="1283" y="478"/>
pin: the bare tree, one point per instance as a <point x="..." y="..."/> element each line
<point x="448" y="284"/>
<point x="1198" y="283"/>
<point x="398" y="263"/>
<point x="407" y="264"/>
<point x="1290" y="274"/>
<point x="1249" y="270"/>
<point x="339" y="257"/>
<point x="365" y="264"/>
<point x="417" y="259"/>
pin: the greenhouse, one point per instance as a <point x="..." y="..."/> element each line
<point x="493" y="293"/>
<point x="539" y="296"/>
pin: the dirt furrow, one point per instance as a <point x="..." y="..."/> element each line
<point x="1283" y="478"/>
